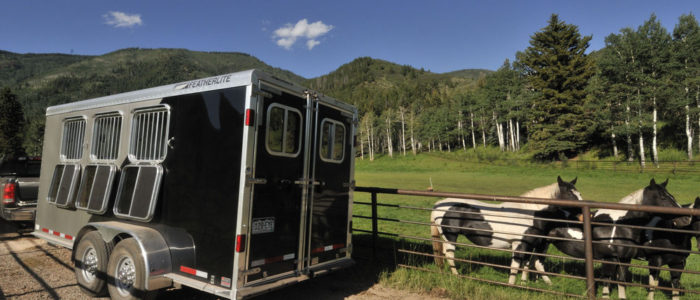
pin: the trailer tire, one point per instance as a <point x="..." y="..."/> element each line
<point x="90" y="264"/>
<point x="127" y="272"/>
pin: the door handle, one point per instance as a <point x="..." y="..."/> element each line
<point x="252" y="180"/>
<point x="311" y="182"/>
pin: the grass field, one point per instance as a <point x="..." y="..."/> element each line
<point x="455" y="172"/>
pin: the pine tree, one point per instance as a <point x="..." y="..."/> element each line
<point x="558" y="69"/>
<point x="686" y="41"/>
<point x="11" y="125"/>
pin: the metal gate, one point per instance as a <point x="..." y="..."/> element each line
<point x="392" y="212"/>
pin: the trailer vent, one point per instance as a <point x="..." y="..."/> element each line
<point x="63" y="182"/>
<point x="149" y="134"/>
<point x="332" y="141"/>
<point x="72" y="141"/>
<point x="105" y="137"/>
<point x="95" y="188"/>
<point x="138" y="191"/>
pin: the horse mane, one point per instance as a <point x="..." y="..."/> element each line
<point x="548" y="192"/>
<point x="633" y="198"/>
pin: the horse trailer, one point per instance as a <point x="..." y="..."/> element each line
<point x="234" y="185"/>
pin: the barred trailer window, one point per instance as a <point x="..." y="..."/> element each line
<point x="149" y="130"/>
<point x="105" y="137"/>
<point x="72" y="140"/>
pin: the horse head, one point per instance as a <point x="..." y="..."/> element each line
<point x="568" y="191"/>
<point x="657" y="195"/>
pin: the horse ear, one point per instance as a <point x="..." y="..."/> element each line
<point x="559" y="180"/>
<point x="652" y="182"/>
<point x="574" y="181"/>
<point x="665" y="183"/>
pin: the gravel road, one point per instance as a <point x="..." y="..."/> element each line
<point x="32" y="269"/>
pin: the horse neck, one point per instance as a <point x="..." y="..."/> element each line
<point x="627" y="216"/>
<point x="546" y="192"/>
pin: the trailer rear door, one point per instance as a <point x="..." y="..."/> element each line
<point x="332" y="158"/>
<point x="275" y="224"/>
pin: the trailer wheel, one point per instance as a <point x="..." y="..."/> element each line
<point x="91" y="256"/>
<point x="127" y="271"/>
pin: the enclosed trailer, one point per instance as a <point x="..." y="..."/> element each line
<point x="234" y="185"/>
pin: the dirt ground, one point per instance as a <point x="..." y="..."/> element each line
<point x="32" y="269"/>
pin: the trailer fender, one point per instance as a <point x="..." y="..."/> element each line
<point x="155" y="251"/>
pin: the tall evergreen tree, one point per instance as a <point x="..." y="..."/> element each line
<point x="686" y="42"/>
<point x="558" y="69"/>
<point x="11" y="125"/>
<point x="654" y="60"/>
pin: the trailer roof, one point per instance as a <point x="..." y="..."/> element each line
<point x="188" y="87"/>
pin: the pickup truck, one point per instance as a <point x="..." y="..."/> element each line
<point x="19" y="187"/>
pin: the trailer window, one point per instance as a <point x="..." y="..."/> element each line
<point x="332" y="146"/>
<point x="283" y="135"/>
<point x="95" y="188"/>
<point x="138" y="192"/>
<point x="105" y="137"/>
<point x="72" y="140"/>
<point x="149" y="134"/>
<point x="63" y="183"/>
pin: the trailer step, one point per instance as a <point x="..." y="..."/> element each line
<point x="202" y="286"/>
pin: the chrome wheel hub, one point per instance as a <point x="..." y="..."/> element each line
<point x="89" y="262"/>
<point x="125" y="275"/>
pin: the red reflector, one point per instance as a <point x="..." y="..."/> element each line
<point x="8" y="196"/>
<point x="188" y="270"/>
<point x="240" y="243"/>
<point x="249" y="117"/>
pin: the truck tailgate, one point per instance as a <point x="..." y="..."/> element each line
<point x="28" y="189"/>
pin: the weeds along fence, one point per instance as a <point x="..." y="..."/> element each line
<point x="398" y="226"/>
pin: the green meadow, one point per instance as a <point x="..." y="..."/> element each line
<point x="469" y="173"/>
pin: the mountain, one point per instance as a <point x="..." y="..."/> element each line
<point x="473" y="74"/>
<point x="375" y="85"/>
<point x="42" y="80"/>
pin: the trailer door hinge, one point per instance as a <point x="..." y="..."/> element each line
<point x="262" y="93"/>
<point x="251" y="271"/>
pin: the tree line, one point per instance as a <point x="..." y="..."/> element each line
<point x="555" y="101"/>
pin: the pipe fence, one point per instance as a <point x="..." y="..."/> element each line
<point x="589" y="261"/>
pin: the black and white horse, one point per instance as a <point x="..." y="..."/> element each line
<point x="506" y="225"/>
<point x="613" y="242"/>
<point x="674" y="260"/>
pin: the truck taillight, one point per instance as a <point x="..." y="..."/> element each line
<point x="8" y="196"/>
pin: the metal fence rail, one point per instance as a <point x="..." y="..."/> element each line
<point x="587" y="224"/>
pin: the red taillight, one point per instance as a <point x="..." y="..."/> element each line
<point x="8" y="196"/>
<point x="249" y="117"/>
<point x="240" y="243"/>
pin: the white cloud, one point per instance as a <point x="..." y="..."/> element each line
<point x="287" y="35"/>
<point x="312" y="43"/>
<point x="120" y="19"/>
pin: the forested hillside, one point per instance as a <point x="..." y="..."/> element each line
<point x="42" y="80"/>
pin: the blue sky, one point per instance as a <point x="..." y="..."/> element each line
<point x="312" y="38"/>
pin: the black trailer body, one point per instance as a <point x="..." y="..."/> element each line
<point x="234" y="185"/>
